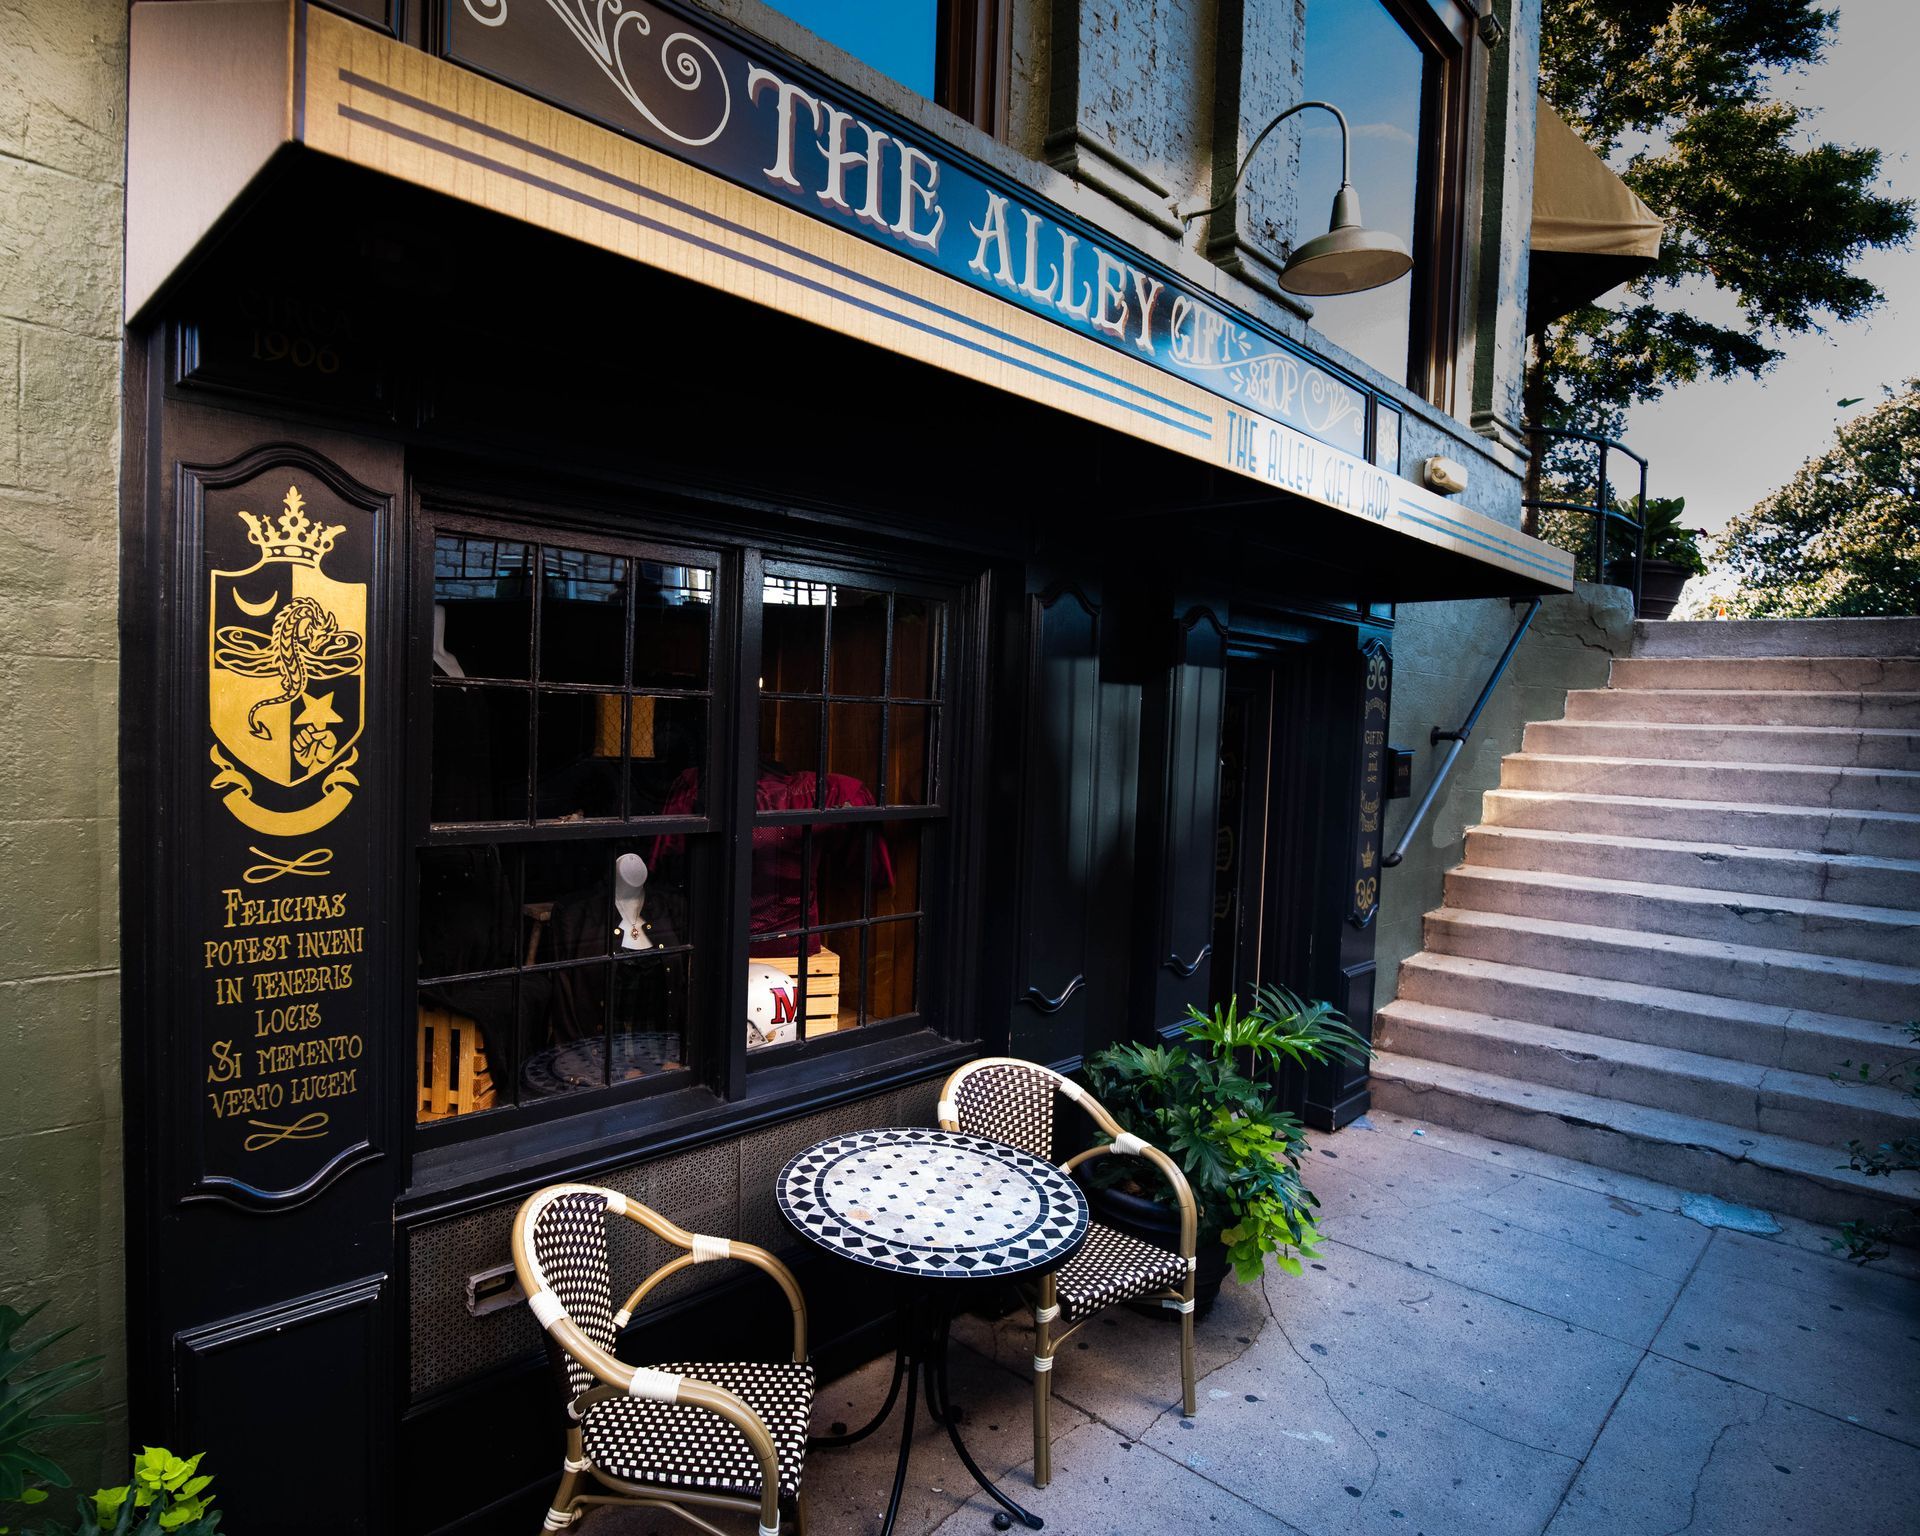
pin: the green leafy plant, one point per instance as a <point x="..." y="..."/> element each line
<point x="1868" y="1239"/>
<point x="26" y="1472"/>
<point x="1665" y="538"/>
<point x="167" y="1497"/>
<point x="1210" y="1103"/>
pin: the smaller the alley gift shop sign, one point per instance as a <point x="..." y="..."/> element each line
<point x="282" y="1064"/>
<point x="660" y="77"/>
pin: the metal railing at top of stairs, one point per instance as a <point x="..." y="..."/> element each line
<point x="1604" y="514"/>
<point x="1459" y="738"/>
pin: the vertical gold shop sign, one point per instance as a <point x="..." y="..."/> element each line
<point x="1376" y="691"/>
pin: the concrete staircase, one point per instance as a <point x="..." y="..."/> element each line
<point x="1692" y="899"/>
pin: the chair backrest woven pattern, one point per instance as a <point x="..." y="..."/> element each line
<point x="1008" y="1103"/>
<point x="570" y="1246"/>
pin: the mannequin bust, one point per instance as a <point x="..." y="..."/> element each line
<point x="443" y="659"/>
<point x="629" y="897"/>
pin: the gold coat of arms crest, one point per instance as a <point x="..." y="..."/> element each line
<point x="286" y="677"/>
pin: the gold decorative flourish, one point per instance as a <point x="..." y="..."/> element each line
<point x="308" y="1127"/>
<point x="314" y="862"/>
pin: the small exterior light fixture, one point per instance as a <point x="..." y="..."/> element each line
<point x="1348" y="258"/>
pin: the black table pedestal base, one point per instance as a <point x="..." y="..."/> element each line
<point x="922" y="1353"/>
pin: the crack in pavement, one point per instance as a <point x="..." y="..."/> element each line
<point x="1693" y="1496"/>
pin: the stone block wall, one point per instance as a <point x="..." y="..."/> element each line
<point x="63" y="90"/>
<point x="1442" y="653"/>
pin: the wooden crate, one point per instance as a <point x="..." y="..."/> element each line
<point x="452" y="1058"/>
<point x="823" y="985"/>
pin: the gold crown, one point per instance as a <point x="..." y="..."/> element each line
<point x="296" y="537"/>
<point x="1366" y="858"/>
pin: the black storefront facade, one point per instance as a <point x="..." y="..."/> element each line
<point x="646" y="644"/>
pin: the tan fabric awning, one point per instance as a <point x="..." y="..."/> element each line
<point x="1590" y="232"/>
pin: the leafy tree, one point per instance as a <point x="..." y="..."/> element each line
<point x="1843" y="536"/>
<point x="1764" y="224"/>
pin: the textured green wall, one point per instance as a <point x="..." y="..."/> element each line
<point x="63" y="87"/>
<point x="1442" y="653"/>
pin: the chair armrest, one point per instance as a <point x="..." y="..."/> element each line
<point x="1125" y="1144"/>
<point x="617" y="1378"/>
<point x="702" y="1250"/>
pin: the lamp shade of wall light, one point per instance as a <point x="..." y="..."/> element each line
<point x="1349" y="257"/>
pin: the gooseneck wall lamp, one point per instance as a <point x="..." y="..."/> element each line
<point x="1349" y="257"/>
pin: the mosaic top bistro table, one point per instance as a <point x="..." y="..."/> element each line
<point x="937" y="1209"/>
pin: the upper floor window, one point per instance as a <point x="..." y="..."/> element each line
<point x="950" y="51"/>
<point x="1394" y="67"/>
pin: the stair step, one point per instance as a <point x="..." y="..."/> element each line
<point x="1777" y="637"/>
<point x="1763" y="1033"/>
<point x="1802" y="745"/>
<point x="1775" y="1173"/>
<point x="1848" y="878"/>
<point x="1806" y="1106"/>
<point x="1860" y="988"/>
<point x="1879" y="834"/>
<point x="1723" y="706"/>
<point x="1845" y="674"/>
<point x="1884" y="934"/>
<point x="1854" y="789"/>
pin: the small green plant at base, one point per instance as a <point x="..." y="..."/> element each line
<point x="1207" y="1105"/>
<point x="167" y="1497"/>
<point x="26" y="1473"/>
<point x="1868" y="1239"/>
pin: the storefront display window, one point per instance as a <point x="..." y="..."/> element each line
<point x="560" y="881"/>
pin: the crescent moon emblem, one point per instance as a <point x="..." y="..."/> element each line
<point x="256" y="610"/>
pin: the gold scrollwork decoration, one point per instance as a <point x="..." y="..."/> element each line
<point x="1366" y="893"/>
<point x="309" y="1127"/>
<point x="313" y="863"/>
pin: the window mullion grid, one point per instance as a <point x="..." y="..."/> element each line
<point x="863" y="1009"/>
<point x="626" y="696"/>
<point x="533" y="685"/>
<point x="804" y="1025"/>
<point x="883" y="790"/>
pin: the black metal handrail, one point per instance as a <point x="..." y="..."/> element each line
<point x="1459" y="737"/>
<point x="1601" y="509"/>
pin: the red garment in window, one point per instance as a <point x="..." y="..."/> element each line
<point x="774" y="905"/>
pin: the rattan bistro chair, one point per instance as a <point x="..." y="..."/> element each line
<point x="1012" y="1101"/>
<point x="694" y="1433"/>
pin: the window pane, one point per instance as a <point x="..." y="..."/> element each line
<point x="479" y="754"/>
<point x="580" y="762"/>
<point x="672" y="626"/>
<point x="853" y="753"/>
<point x="859" y="658"/>
<point x="897" y="37"/>
<point x="563" y="1019"/>
<point x="667" y="747"/>
<point x="1359" y="57"/>
<point x="916" y="646"/>
<point x="482" y="607"/>
<point x="804" y="876"/>
<point x="648" y="1011"/>
<point x="464" y="1048"/>
<point x="909" y="754"/>
<point x="793" y="635"/>
<point x="788" y="778"/>
<point x="586" y="899"/>
<point x="469" y="918"/>
<point x="895" y="887"/>
<point x="892" y="960"/>
<point x="583" y="617"/>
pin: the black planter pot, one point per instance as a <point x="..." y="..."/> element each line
<point x="1660" y="584"/>
<point x="1151" y="1222"/>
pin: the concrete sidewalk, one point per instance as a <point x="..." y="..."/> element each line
<point x="1493" y="1341"/>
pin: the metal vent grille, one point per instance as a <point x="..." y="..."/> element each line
<point x="724" y="1189"/>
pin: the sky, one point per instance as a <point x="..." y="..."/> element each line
<point x="1725" y="445"/>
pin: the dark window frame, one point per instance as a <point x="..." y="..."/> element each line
<point x="1443" y="31"/>
<point x="718" y="1071"/>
